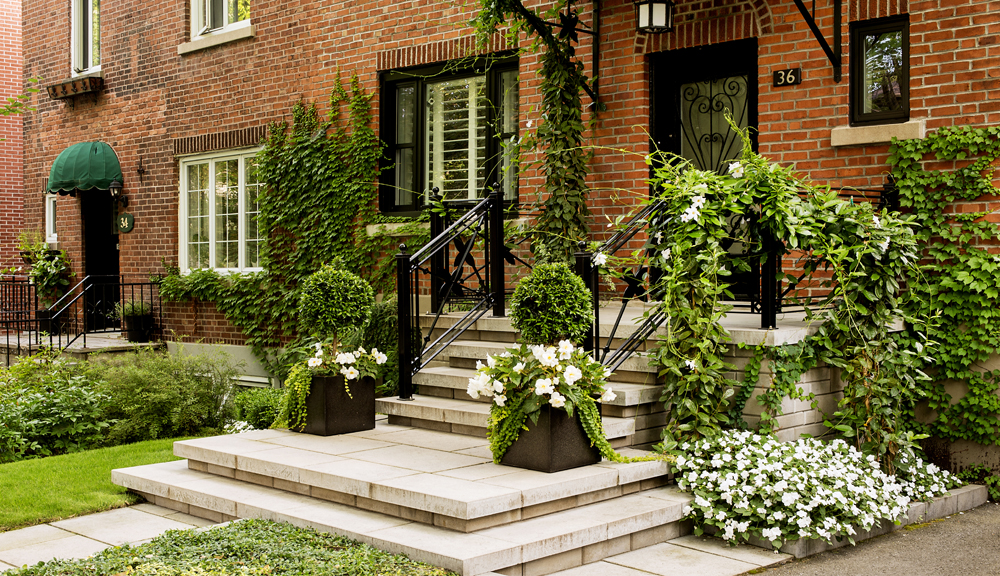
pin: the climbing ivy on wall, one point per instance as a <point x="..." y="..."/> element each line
<point x="320" y="193"/>
<point x="564" y="212"/>
<point x="940" y="177"/>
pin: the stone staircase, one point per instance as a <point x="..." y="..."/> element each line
<point x="633" y="419"/>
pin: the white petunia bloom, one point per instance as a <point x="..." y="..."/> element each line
<point x="518" y="367"/>
<point x="690" y="364"/>
<point x="314" y="362"/>
<point x="557" y="400"/>
<point x="350" y="372"/>
<point x="736" y="169"/>
<point x="608" y="395"/>
<point x="665" y="254"/>
<point x="380" y="358"/>
<point x="500" y="399"/>
<point x="571" y="374"/>
<point x="346" y="358"/>
<point x="544" y="386"/>
<point x="600" y="259"/>
<point x="566" y="349"/>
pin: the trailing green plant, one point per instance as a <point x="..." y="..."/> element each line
<point x="945" y="180"/>
<point x="258" y="407"/>
<point x="863" y="255"/>
<point x="154" y="395"/>
<point x="564" y="211"/>
<point x="552" y="304"/>
<point x="50" y="269"/>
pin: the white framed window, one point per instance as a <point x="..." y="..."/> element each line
<point x="86" y="36"/>
<point x="218" y="208"/>
<point x="50" y="219"/>
<point x="211" y="16"/>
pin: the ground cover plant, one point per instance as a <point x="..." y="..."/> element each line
<point x="245" y="548"/>
<point x="48" y="489"/>
<point x="750" y="485"/>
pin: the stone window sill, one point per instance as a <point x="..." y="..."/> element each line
<point x="216" y="39"/>
<point x="877" y="134"/>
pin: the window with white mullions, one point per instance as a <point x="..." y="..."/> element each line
<point x="219" y="209"/>
<point x="86" y="36"/>
<point x="448" y="131"/>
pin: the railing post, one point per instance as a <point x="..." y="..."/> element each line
<point x="769" y="283"/>
<point x="495" y="253"/>
<point x="405" y="324"/>
<point x="588" y="272"/>
<point x="439" y="260"/>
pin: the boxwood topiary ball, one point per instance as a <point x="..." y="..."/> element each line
<point x="333" y="299"/>
<point x="552" y="304"/>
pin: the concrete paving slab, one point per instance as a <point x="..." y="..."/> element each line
<point x="743" y="553"/>
<point x="350" y="476"/>
<point x="420" y="459"/>
<point x="31" y="536"/>
<point x="194" y="521"/>
<point x="479" y="471"/>
<point x="479" y="452"/>
<point x="382" y="426"/>
<point x="538" y="487"/>
<point x="603" y="569"/>
<point x="340" y="519"/>
<point x="71" y="548"/>
<point x="155" y="478"/>
<point x="282" y="462"/>
<point x="218" y="450"/>
<point x="5" y="566"/>
<point x="265" y="434"/>
<point x="336" y="445"/>
<point x="449" y="496"/>
<point x="116" y="527"/>
<point x="457" y="551"/>
<point x="434" y="440"/>
<point x="149" y="508"/>
<point x="667" y="559"/>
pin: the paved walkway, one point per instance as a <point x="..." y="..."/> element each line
<point x="87" y="535"/>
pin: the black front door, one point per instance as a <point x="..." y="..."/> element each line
<point x="100" y="245"/>
<point x="692" y="91"/>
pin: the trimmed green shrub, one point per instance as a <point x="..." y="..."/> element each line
<point x="258" y="407"/>
<point x="552" y="304"/>
<point x="156" y="395"/>
<point x="332" y="300"/>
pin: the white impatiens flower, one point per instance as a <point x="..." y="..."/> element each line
<point x="771" y="534"/>
<point x="314" y="362"/>
<point x="491" y="361"/>
<point x="697" y="202"/>
<point x="544" y="386"/>
<point x="571" y="374"/>
<point x="518" y="367"/>
<point x="500" y="399"/>
<point x="319" y="349"/>
<point x="690" y="364"/>
<point x="548" y="357"/>
<point x="600" y="259"/>
<point x="346" y="358"/>
<point x="380" y="358"/>
<point x="608" y="395"/>
<point x="498" y="387"/>
<point x="350" y="372"/>
<point x="566" y="349"/>
<point x="690" y="214"/>
<point x="557" y="400"/>
<point x="736" y="169"/>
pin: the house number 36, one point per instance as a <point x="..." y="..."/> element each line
<point x="788" y="77"/>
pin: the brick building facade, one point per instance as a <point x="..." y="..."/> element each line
<point x="186" y="86"/>
<point x="12" y="166"/>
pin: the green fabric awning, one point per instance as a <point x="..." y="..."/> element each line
<point x="84" y="166"/>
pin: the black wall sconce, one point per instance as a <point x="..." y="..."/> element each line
<point x="115" y="187"/>
<point x="654" y="16"/>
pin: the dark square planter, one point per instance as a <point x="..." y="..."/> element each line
<point x="556" y="443"/>
<point x="329" y="410"/>
<point x="138" y="328"/>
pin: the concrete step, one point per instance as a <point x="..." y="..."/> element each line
<point x="536" y="546"/>
<point x="464" y="353"/>
<point x="450" y="382"/>
<point x="467" y="417"/>
<point x="421" y="475"/>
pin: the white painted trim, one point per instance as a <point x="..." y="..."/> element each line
<point x="232" y="33"/>
<point x="877" y="133"/>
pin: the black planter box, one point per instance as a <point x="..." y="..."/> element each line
<point x="138" y="328"/>
<point x="556" y="443"/>
<point x="329" y="410"/>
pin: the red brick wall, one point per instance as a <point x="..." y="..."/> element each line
<point x="156" y="102"/>
<point x="11" y="165"/>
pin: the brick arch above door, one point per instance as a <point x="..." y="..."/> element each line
<point x="725" y="21"/>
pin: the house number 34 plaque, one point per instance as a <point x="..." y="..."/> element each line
<point x="788" y="77"/>
<point x="125" y="222"/>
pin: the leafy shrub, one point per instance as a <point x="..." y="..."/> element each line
<point x="381" y="331"/>
<point x="156" y="395"/>
<point x="132" y="308"/>
<point x="14" y="443"/>
<point x="258" y="407"/>
<point x="752" y="485"/>
<point x="552" y="304"/>
<point x="981" y="474"/>
<point x="67" y="418"/>
<point x="332" y="300"/>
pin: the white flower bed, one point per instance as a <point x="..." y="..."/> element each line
<point x="748" y="485"/>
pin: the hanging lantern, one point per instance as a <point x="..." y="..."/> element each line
<point x="655" y="17"/>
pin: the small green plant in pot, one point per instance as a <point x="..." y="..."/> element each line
<point x="137" y="319"/>
<point x="549" y="380"/>
<point x="49" y="273"/>
<point x="332" y="391"/>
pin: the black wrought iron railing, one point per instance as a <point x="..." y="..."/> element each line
<point x="18" y="305"/>
<point x="460" y="269"/>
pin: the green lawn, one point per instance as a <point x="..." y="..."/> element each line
<point x="47" y="489"/>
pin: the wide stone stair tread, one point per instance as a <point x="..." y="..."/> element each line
<point x="471" y="413"/>
<point x="469" y="554"/>
<point x="452" y="378"/>
<point x="478" y="349"/>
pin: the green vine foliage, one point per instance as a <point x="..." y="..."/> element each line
<point x="320" y="194"/>
<point x="959" y="279"/>
<point x="864" y="256"/>
<point x="562" y="223"/>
